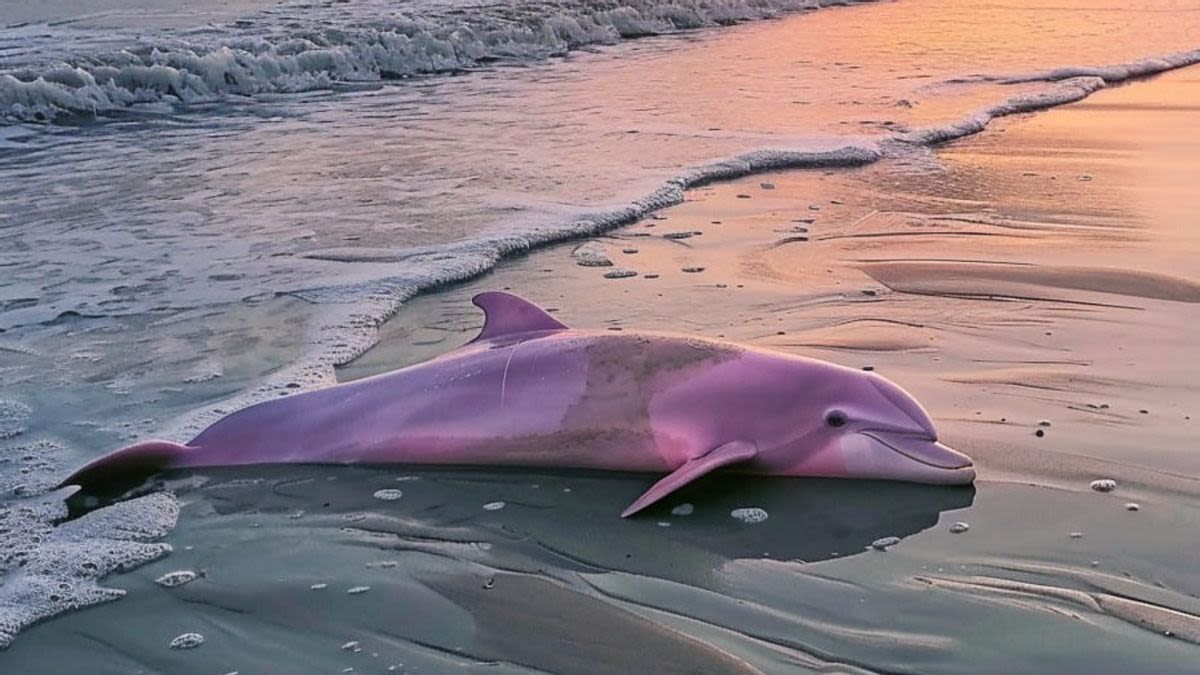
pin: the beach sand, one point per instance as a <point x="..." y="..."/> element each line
<point x="1037" y="277"/>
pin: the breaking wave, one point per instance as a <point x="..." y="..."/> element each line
<point x="310" y="48"/>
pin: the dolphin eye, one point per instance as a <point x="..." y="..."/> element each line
<point x="835" y="419"/>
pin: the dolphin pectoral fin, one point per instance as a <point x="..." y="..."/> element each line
<point x="508" y="314"/>
<point x="722" y="455"/>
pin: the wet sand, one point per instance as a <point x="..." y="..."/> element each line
<point x="1040" y="272"/>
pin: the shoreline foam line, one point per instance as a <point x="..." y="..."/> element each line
<point x="324" y="48"/>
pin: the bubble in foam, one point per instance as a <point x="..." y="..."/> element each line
<point x="30" y="468"/>
<point x="388" y="494"/>
<point x="187" y="641"/>
<point x="749" y="515"/>
<point x="46" y="570"/>
<point x="14" y="418"/>
<point x="176" y="578"/>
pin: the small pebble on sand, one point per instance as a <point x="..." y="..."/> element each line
<point x="683" y="510"/>
<point x="620" y="274"/>
<point x="959" y="527"/>
<point x="884" y="543"/>
<point x="678" y="235"/>
<point x="358" y="590"/>
<point x="650" y="276"/>
<point x="743" y="196"/>
<point x="318" y="587"/>
<point x="177" y="578"/>
<point x="749" y="515"/>
<point x="187" y="641"/>
<point x="388" y="494"/>
<point x="591" y="254"/>
<point x="1076" y="535"/>
<point x="629" y="251"/>
<point x="1133" y="506"/>
<point x="1039" y="433"/>
<point x="693" y="270"/>
<point x="493" y="506"/>
<point x="1104" y="485"/>
<point x="351" y="646"/>
<point x="1085" y="177"/>
<point x="767" y="186"/>
<point x="1044" y="423"/>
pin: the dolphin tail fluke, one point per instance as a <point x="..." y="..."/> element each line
<point x="130" y="463"/>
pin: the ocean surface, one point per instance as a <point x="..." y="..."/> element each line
<point x="205" y="205"/>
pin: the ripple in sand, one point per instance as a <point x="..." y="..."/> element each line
<point x="187" y="641"/>
<point x="750" y="515"/>
<point x="177" y="578"/>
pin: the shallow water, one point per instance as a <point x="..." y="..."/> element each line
<point x="165" y="263"/>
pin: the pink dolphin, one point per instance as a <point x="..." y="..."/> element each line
<point x="529" y="391"/>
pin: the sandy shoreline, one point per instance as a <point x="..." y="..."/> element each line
<point x="1043" y="270"/>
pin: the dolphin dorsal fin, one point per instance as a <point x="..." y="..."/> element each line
<point x="508" y="314"/>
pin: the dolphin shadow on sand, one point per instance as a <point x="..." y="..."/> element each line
<point x="525" y="567"/>
<point x="565" y="516"/>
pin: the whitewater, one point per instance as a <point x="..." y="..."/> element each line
<point x="197" y="217"/>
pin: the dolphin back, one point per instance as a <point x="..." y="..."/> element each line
<point x="130" y="463"/>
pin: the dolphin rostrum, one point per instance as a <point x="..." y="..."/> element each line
<point x="529" y="391"/>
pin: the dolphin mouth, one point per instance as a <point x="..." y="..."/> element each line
<point x="924" y="450"/>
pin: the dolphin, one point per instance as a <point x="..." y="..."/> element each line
<point x="530" y="391"/>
